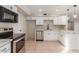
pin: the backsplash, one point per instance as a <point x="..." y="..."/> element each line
<point x="59" y="27"/>
<point x="52" y="26"/>
<point x="5" y="25"/>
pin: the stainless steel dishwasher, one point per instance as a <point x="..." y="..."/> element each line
<point x="39" y="35"/>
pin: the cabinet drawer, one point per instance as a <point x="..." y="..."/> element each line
<point x="5" y="48"/>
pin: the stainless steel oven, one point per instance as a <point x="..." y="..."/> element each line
<point x="19" y="44"/>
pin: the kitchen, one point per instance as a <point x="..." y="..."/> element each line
<point x="37" y="24"/>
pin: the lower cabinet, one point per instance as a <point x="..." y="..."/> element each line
<point x="6" y="48"/>
<point x="50" y="35"/>
<point x="72" y="41"/>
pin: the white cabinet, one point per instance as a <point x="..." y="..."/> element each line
<point x="62" y="37"/>
<point x="33" y="18"/>
<point x="60" y="20"/>
<point x="39" y="22"/>
<point x="47" y="35"/>
<point x="50" y="35"/>
<point x="5" y="48"/>
<point x="46" y="18"/>
<point x="51" y="18"/>
<point x="72" y="40"/>
<point x="11" y="7"/>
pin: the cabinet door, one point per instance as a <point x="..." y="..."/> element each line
<point x="55" y="21"/>
<point x="60" y="20"/>
<point x="54" y="36"/>
<point x="72" y="41"/>
<point x="64" y="20"/>
<point x="50" y="36"/>
<point x="39" y="22"/>
<point x="47" y="36"/>
<point x="6" y="48"/>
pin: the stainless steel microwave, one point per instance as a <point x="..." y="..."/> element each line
<point x="8" y="15"/>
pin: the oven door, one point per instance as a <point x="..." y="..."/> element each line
<point x="18" y="44"/>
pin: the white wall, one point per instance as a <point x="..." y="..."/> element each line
<point x="76" y="25"/>
<point x="20" y="27"/>
<point x="31" y="29"/>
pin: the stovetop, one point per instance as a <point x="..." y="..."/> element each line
<point x="14" y="36"/>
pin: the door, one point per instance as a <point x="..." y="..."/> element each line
<point x="31" y="29"/>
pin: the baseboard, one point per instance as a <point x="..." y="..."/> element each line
<point x="50" y="40"/>
<point x="73" y="49"/>
<point x="39" y="40"/>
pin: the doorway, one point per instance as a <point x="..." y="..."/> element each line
<point x="31" y="25"/>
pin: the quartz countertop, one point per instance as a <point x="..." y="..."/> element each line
<point x="17" y="35"/>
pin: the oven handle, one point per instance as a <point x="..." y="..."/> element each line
<point x="19" y="39"/>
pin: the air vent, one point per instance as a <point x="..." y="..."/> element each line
<point x="45" y="14"/>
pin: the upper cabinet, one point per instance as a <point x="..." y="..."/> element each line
<point x="39" y="21"/>
<point x="11" y="7"/>
<point x="57" y="20"/>
<point x="61" y="20"/>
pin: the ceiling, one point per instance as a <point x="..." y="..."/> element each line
<point x="51" y="10"/>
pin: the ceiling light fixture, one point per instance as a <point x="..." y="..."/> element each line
<point x="74" y="15"/>
<point x="40" y="9"/>
<point x="57" y="10"/>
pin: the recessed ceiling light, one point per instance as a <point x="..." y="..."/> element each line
<point x="74" y="15"/>
<point x="40" y="9"/>
<point x="57" y="10"/>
